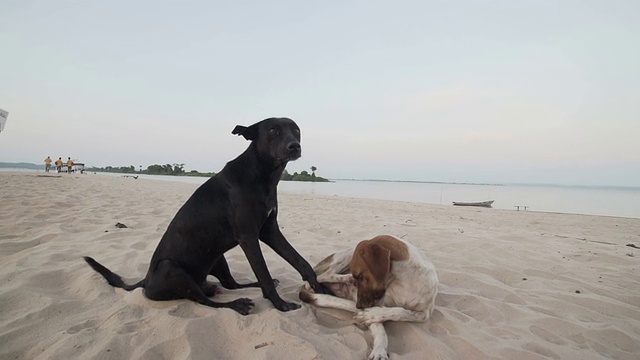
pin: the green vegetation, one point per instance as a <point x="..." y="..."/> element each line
<point x="303" y="176"/>
<point x="178" y="170"/>
<point x="123" y="169"/>
<point x="168" y="169"/>
<point x="21" y="165"/>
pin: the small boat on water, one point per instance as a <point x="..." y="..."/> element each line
<point x="478" y="203"/>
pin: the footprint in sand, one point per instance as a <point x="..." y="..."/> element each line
<point x="85" y="325"/>
<point x="187" y="311"/>
<point x="10" y="248"/>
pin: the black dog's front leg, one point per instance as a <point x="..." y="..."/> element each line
<point x="271" y="235"/>
<point x="252" y="251"/>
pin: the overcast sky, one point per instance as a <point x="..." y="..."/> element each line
<point x="479" y="91"/>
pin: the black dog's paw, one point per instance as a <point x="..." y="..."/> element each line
<point x="286" y="306"/>
<point x="322" y="289"/>
<point x="243" y="306"/>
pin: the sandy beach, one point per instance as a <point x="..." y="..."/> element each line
<point x="513" y="284"/>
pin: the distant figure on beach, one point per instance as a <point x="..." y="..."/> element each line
<point x="47" y="164"/>
<point x="69" y="165"/>
<point x="59" y="164"/>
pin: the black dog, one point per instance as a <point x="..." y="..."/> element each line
<point x="239" y="205"/>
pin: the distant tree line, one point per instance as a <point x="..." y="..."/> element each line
<point x="178" y="170"/>
<point x="156" y="169"/>
<point x="122" y="169"/>
<point x="303" y="176"/>
<point x="21" y="165"/>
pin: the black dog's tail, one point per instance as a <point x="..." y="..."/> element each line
<point x="112" y="278"/>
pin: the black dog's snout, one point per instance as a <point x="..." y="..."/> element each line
<point x="293" y="146"/>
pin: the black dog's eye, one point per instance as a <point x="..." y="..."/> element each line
<point x="273" y="131"/>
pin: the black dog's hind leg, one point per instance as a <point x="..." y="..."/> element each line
<point x="169" y="281"/>
<point x="210" y="289"/>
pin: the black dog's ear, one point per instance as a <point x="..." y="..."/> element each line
<point x="238" y="130"/>
<point x="249" y="133"/>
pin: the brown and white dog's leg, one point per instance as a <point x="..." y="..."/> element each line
<point x="328" y="301"/>
<point x="335" y="278"/>
<point x="380" y="342"/>
<point x="337" y="263"/>
<point x="378" y="314"/>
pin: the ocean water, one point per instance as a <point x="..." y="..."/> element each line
<point x="608" y="201"/>
<point x="591" y="200"/>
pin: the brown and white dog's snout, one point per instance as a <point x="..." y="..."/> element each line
<point x="369" y="297"/>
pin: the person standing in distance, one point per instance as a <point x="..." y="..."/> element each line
<point x="59" y="164"/>
<point x="47" y="164"/>
<point x="69" y="165"/>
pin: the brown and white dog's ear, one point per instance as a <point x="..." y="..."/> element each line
<point x="249" y="133"/>
<point x="376" y="259"/>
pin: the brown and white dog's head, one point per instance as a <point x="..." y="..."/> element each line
<point x="370" y="268"/>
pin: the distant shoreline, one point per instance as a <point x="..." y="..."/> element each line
<point x="6" y="166"/>
<point x="599" y="201"/>
<point x="420" y="182"/>
<point x="617" y="187"/>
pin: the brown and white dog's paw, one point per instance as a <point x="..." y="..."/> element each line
<point x="369" y="316"/>
<point x="306" y="294"/>
<point x="378" y="354"/>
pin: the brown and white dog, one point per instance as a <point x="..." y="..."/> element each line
<point x="383" y="279"/>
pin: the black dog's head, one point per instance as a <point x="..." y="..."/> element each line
<point x="277" y="138"/>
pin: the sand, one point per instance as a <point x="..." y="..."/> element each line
<point x="513" y="284"/>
